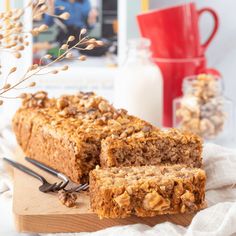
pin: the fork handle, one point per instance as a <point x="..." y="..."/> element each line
<point x="42" y="166"/>
<point x="24" y="169"/>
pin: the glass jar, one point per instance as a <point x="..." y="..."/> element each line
<point x="138" y="85"/>
<point x="203" y="109"/>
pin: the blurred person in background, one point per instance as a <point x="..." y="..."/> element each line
<point x="82" y="15"/>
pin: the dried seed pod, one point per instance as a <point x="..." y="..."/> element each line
<point x="8" y="14"/>
<point x="11" y="44"/>
<point x="99" y="43"/>
<point x="64" y="47"/>
<point x="32" y="84"/>
<point x="33" y="67"/>
<point x="21" y="39"/>
<point x="19" y="12"/>
<point x="83" y="31"/>
<point x="35" y="32"/>
<point x="19" y="48"/>
<point x="69" y="55"/>
<point x="9" y="27"/>
<point x="90" y="47"/>
<point x="18" y="24"/>
<point x="48" y="56"/>
<point x="64" y="16"/>
<point x="6" y="86"/>
<point x="92" y="40"/>
<point x="17" y="55"/>
<point x="71" y="38"/>
<point x="23" y="96"/>
<point x="42" y="28"/>
<point x="12" y="70"/>
<point x="65" y="67"/>
<point x="43" y="8"/>
<point x="82" y="58"/>
<point x="54" y="72"/>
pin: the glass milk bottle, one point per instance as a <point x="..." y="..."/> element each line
<point x="138" y="86"/>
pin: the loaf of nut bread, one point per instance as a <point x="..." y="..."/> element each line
<point x="66" y="133"/>
<point x="146" y="191"/>
<point x="151" y="147"/>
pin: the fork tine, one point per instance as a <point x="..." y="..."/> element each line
<point x="78" y="188"/>
<point x="57" y="187"/>
<point x="64" y="185"/>
<point x="86" y="187"/>
<point x="81" y="187"/>
<point x="50" y="188"/>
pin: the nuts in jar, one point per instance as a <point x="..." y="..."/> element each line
<point x="202" y="109"/>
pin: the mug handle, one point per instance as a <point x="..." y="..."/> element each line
<point x="216" y="24"/>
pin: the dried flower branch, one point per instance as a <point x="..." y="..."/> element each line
<point x="13" y="39"/>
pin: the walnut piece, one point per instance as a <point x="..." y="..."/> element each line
<point x="68" y="111"/>
<point x="35" y="100"/>
<point x="66" y="198"/>
<point x="40" y="95"/>
<point x="103" y="106"/>
<point x="123" y="200"/>
<point x="155" y="202"/>
<point x="188" y="200"/>
<point x="146" y="129"/>
<point x="61" y="103"/>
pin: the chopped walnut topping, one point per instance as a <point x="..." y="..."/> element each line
<point x="146" y="129"/>
<point x="123" y="121"/>
<point x="123" y="200"/>
<point x="188" y="197"/>
<point x="145" y="191"/>
<point x="66" y="198"/>
<point x="103" y="106"/>
<point x="91" y="110"/>
<point x="101" y="121"/>
<point x="122" y="111"/>
<point x="139" y="135"/>
<point x="40" y="95"/>
<point x="35" y="100"/>
<point x="188" y="200"/>
<point x="68" y="111"/>
<point x="62" y="103"/>
<point x="71" y="110"/>
<point x="154" y="201"/>
<point x="179" y="189"/>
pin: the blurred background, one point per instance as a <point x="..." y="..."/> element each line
<point x="220" y="53"/>
<point x="115" y="23"/>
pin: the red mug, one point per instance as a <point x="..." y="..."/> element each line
<point x="174" y="31"/>
<point x="174" y="71"/>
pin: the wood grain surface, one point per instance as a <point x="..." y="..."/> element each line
<point x="43" y="213"/>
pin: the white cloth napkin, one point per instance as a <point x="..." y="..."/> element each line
<point x="219" y="219"/>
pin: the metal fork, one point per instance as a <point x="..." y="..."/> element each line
<point x="45" y="187"/>
<point x="81" y="187"/>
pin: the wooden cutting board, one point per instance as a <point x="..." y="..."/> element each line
<point x="43" y="213"/>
